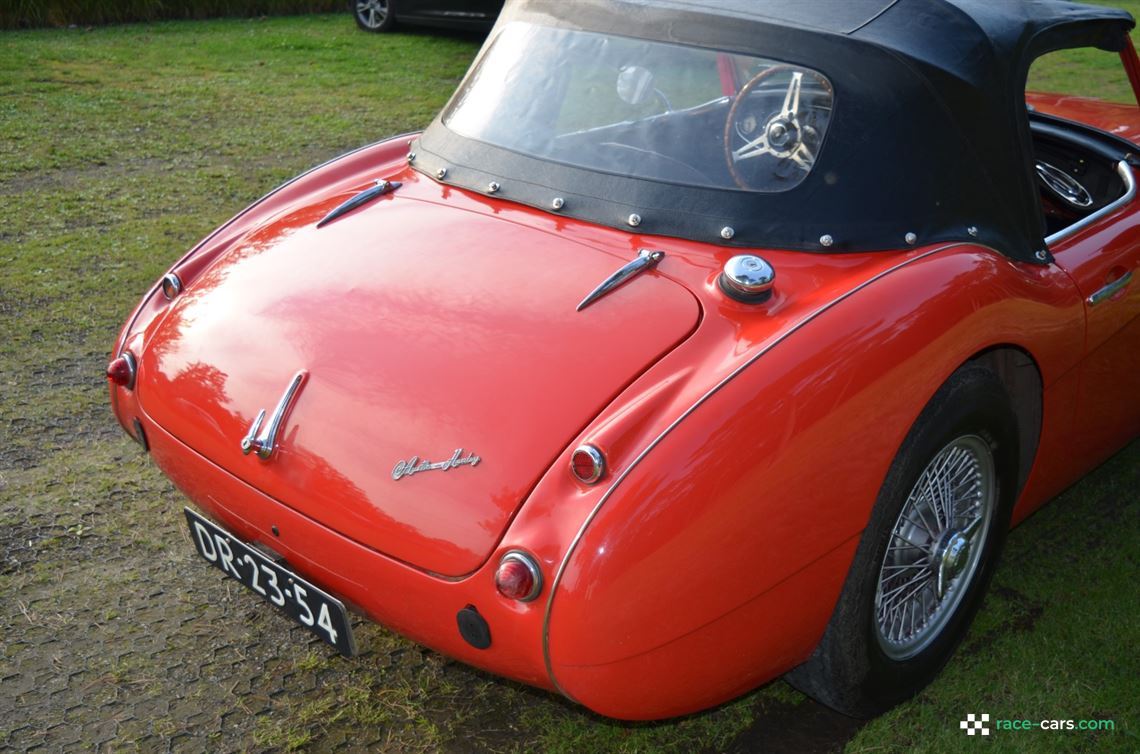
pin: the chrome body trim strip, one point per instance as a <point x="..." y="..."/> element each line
<point x="382" y="187"/>
<point x="673" y="425"/>
<point x="646" y="259"/>
<point x="1125" y="172"/>
<point x="1110" y="290"/>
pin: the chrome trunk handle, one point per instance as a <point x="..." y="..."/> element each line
<point x="646" y="259"/>
<point x="266" y="442"/>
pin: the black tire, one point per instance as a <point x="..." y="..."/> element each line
<point x="850" y="671"/>
<point x="374" y="15"/>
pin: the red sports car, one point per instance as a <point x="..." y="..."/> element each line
<point x="692" y="344"/>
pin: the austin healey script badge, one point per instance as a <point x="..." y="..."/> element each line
<point x="414" y="465"/>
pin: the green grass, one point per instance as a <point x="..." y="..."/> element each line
<point x="15" y="14"/>
<point x="122" y="146"/>
<point x="1089" y="72"/>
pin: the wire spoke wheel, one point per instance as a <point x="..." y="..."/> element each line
<point x="935" y="547"/>
<point x="927" y="553"/>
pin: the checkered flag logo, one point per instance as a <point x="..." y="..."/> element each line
<point x="975" y="724"/>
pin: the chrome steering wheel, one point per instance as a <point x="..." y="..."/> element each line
<point x="1063" y="186"/>
<point x="791" y="135"/>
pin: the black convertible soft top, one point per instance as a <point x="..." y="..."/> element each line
<point x="929" y="133"/>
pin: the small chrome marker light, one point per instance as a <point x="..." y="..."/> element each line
<point x="121" y="371"/>
<point x="747" y="278"/>
<point x="518" y="577"/>
<point x="587" y="464"/>
<point x="171" y="286"/>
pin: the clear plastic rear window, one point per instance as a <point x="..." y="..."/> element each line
<point x="645" y="109"/>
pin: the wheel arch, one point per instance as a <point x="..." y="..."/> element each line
<point x="849" y="670"/>
<point x="1020" y="374"/>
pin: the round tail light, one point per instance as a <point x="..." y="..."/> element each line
<point x="121" y="371"/>
<point x="587" y="464"/>
<point x="518" y="577"/>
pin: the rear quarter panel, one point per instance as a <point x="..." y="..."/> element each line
<point x="728" y="544"/>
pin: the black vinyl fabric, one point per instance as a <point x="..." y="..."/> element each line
<point x="929" y="133"/>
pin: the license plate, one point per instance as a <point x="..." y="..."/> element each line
<point x="302" y="601"/>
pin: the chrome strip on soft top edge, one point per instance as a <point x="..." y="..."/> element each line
<point x="1125" y="172"/>
<point x="685" y="414"/>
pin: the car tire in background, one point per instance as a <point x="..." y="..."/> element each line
<point x="928" y="552"/>
<point x="374" y="15"/>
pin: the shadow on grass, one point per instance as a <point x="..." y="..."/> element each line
<point x="804" y="728"/>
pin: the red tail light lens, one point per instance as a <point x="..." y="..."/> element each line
<point x="518" y="577"/>
<point x="587" y="464"/>
<point x="121" y="371"/>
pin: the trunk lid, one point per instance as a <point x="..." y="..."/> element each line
<point x="424" y="330"/>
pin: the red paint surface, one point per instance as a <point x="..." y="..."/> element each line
<point x="424" y="330"/>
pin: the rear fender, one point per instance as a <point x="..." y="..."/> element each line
<point x="727" y="544"/>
